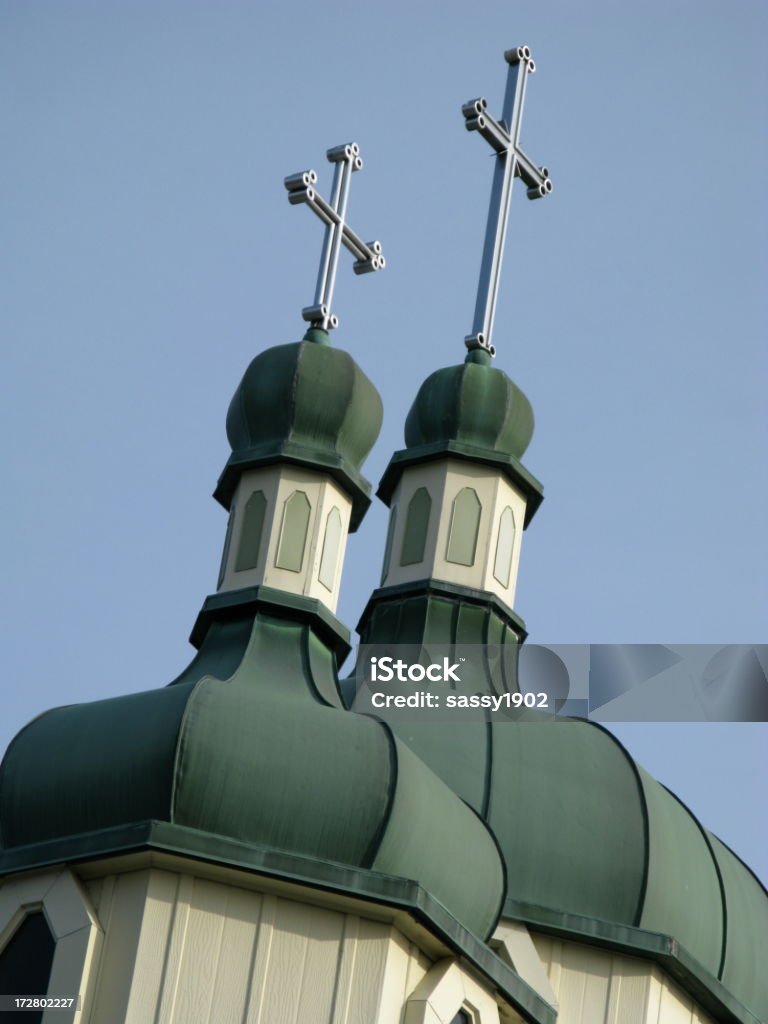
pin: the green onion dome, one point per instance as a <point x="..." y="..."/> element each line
<point x="473" y="412"/>
<point x="305" y="403"/>
<point x="473" y="404"/>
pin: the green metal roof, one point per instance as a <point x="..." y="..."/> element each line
<point x="253" y="743"/>
<point x="473" y="403"/>
<point x="584" y="830"/>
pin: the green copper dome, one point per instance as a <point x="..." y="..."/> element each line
<point x="472" y="403"/>
<point x="474" y="412"/>
<point x="306" y="403"/>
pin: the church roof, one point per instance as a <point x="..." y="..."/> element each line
<point x="264" y="754"/>
<point x="594" y="846"/>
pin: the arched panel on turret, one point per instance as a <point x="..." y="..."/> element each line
<point x="416" y="528"/>
<point x="293" y="532"/>
<point x="329" y="559"/>
<point x="464" y="528"/>
<point x="249" y="548"/>
<point x="505" y="545"/>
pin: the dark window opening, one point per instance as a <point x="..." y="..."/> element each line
<point x="25" y="965"/>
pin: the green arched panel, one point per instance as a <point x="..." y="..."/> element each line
<point x="743" y="971"/>
<point x="331" y="544"/>
<point x="432" y="836"/>
<point x="416" y="528"/>
<point x="293" y="535"/>
<point x="682" y="895"/>
<point x="249" y="547"/>
<point x="465" y="525"/>
<point x="505" y="545"/>
<point x="566" y="807"/>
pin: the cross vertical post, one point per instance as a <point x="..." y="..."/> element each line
<point x="368" y="255"/>
<point x="504" y="137"/>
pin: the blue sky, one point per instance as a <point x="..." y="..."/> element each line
<point x="150" y="252"/>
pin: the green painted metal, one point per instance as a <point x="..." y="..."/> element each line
<point x="743" y="968"/>
<point x="441" y="604"/>
<point x="293" y="532"/>
<point x="505" y="545"/>
<point x="416" y="527"/>
<point x="675" y="960"/>
<point x="265" y="755"/>
<point x="249" y="548"/>
<point x="473" y="403"/>
<point x="329" y="559"/>
<point x="565" y="808"/>
<point x="586" y="834"/>
<point x="474" y="412"/>
<point x="309" y="404"/>
<point x="317" y="335"/>
<point x="89" y="766"/>
<point x="682" y="894"/>
<point x="425" y="839"/>
<point x="233" y="604"/>
<point x="264" y="759"/>
<point x="464" y="527"/>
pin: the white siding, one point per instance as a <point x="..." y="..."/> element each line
<point x="595" y="986"/>
<point x="444" y="479"/>
<point x="181" y="950"/>
<point x="278" y="483"/>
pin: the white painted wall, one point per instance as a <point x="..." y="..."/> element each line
<point x="185" y="950"/>
<point x="444" y="478"/>
<point x="278" y="482"/>
<point x="596" y="986"/>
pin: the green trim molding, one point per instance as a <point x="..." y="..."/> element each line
<point x="664" y="950"/>
<point x="232" y="604"/>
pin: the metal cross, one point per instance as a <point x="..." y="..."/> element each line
<point x="367" y="255"/>
<point x="511" y="162"/>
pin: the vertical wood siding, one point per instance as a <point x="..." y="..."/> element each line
<point x="182" y="950"/>
<point x="595" y="986"/>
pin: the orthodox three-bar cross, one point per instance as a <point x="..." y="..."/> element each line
<point x="511" y="162"/>
<point x="368" y="257"/>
